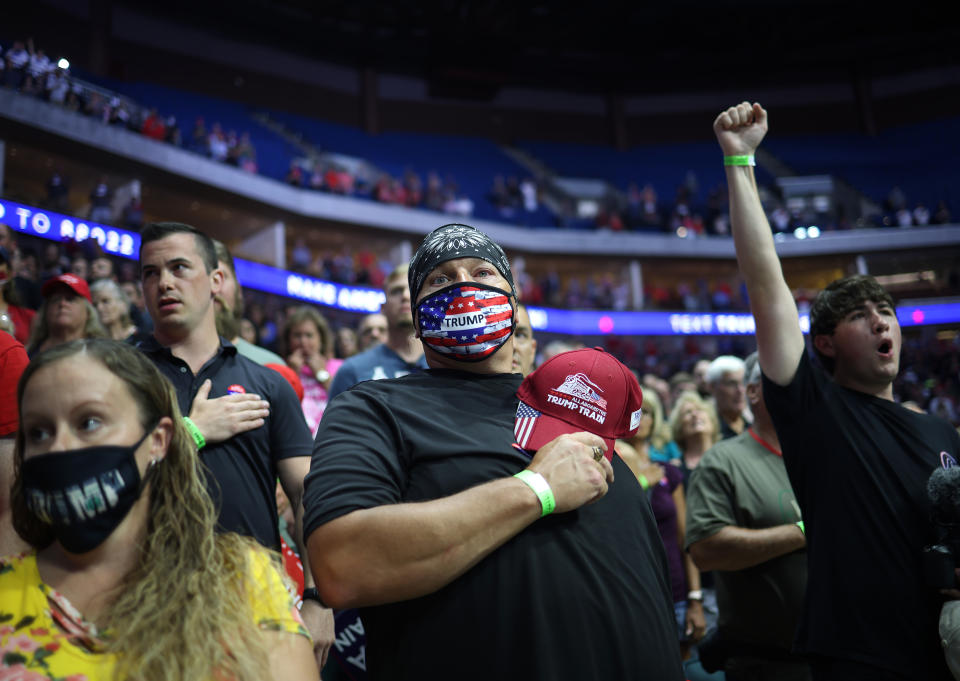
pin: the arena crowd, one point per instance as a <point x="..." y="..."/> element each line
<point x="196" y="487"/>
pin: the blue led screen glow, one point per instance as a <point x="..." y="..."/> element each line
<point x="126" y="244"/>
<point x="57" y="227"/>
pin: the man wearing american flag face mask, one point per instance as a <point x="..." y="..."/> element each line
<point x="465" y="553"/>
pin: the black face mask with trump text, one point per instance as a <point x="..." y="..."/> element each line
<point x="84" y="494"/>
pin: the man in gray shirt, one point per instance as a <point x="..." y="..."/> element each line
<point x="400" y="354"/>
<point x="743" y="522"/>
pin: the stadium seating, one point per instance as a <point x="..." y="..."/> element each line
<point x="920" y="159"/>
<point x="273" y="153"/>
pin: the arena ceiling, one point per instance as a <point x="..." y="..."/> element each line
<point x="472" y="49"/>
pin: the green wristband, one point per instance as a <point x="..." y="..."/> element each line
<point x="744" y="160"/>
<point x="644" y="482"/>
<point x="195" y="433"/>
<point x="541" y="488"/>
<point x="799" y="524"/>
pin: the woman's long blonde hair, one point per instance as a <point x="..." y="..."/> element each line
<point x="660" y="433"/>
<point x="184" y="612"/>
<point x="676" y="424"/>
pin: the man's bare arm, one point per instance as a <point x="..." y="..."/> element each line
<point x="739" y="130"/>
<point x="695" y="626"/>
<point x="319" y="620"/>
<point x="291" y="472"/>
<point x="400" y="551"/>
<point x="738" y="548"/>
<point x="290" y="657"/>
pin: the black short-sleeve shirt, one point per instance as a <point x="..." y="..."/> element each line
<point x="241" y="472"/>
<point x="578" y="595"/>
<point x="859" y="466"/>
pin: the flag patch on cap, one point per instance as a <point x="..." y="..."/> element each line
<point x="635" y="419"/>
<point x="526" y="418"/>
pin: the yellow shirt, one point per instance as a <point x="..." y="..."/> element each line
<point x="34" y="648"/>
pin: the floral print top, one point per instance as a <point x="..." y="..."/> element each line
<point x="44" y="638"/>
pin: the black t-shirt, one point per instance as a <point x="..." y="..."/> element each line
<point x="241" y="473"/>
<point x="859" y="466"/>
<point x="578" y="595"/>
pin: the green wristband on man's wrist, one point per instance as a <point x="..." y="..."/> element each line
<point x="740" y="160"/>
<point x="195" y="433"/>
<point x="799" y="524"/>
<point x="541" y="488"/>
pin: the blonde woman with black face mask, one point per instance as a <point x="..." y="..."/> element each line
<point x="126" y="578"/>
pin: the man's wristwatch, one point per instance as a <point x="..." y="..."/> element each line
<point x="311" y="594"/>
<point x="695" y="595"/>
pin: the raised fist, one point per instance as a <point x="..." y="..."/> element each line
<point x="741" y="128"/>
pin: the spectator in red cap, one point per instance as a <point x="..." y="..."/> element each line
<point x="465" y="549"/>
<point x="67" y="314"/>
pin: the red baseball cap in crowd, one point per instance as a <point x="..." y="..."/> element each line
<point x="586" y="389"/>
<point x="71" y="281"/>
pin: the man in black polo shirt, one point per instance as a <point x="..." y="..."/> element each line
<point x="858" y="462"/>
<point x="251" y="429"/>
<point x="416" y="516"/>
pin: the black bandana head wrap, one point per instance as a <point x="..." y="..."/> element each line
<point x="450" y="242"/>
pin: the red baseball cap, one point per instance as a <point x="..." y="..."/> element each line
<point x="72" y="282"/>
<point x="586" y="389"/>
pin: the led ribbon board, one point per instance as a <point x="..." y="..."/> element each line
<point x="601" y="323"/>
<point x="49" y="225"/>
<point x="126" y="244"/>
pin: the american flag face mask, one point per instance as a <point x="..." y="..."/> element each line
<point x="466" y="322"/>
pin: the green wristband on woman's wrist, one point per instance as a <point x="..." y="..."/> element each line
<point x="195" y="433"/>
<point x="541" y="488"/>
<point x="740" y="160"/>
